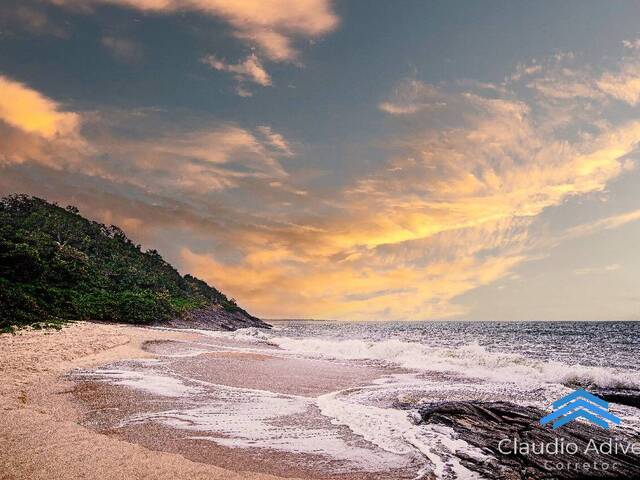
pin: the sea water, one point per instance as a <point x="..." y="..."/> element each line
<point x="602" y="354"/>
<point x="531" y="363"/>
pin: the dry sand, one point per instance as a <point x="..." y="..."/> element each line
<point x="40" y="434"/>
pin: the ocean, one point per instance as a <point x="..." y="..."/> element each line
<point x="340" y="400"/>
<point x="604" y="354"/>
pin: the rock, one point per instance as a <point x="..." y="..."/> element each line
<point x="215" y="317"/>
<point x="485" y="424"/>
<point x="627" y="397"/>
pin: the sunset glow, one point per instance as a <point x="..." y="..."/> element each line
<point x="254" y="150"/>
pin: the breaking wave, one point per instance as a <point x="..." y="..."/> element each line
<point x="472" y="360"/>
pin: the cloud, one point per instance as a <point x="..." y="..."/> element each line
<point x="596" y="270"/>
<point x="138" y="148"/>
<point x="608" y="223"/>
<point x="451" y="209"/>
<point x="147" y="149"/>
<point x="230" y="151"/>
<point x="563" y="78"/>
<point x="493" y="160"/>
<point x="275" y="139"/>
<point x="274" y="27"/>
<point x="632" y="44"/>
<point x="31" y="112"/>
<point x="35" y="127"/>
<point x="412" y="96"/>
<point x="249" y="70"/>
<point x="35" y="20"/>
<point x="122" y="49"/>
<point x="271" y="25"/>
<point x="623" y="85"/>
<point x="344" y="291"/>
<point x="452" y="206"/>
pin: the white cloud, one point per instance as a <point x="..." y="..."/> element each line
<point x="632" y="44"/>
<point x="608" y="223"/>
<point x="191" y="161"/>
<point x="413" y="96"/>
<point x="596" y="270"/>
<point x="563" y="79"/>
<point x="275" y="139"/>
<point x="249" y="70"/>
<point x="623" y="85"/>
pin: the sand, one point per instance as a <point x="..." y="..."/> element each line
<point x="40" y="433"/>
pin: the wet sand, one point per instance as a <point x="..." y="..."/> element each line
<point x="40" y="432"/>
<point x="58" y="424"/>
<point x="192" y="417"/>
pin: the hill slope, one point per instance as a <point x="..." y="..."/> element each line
<point x="56" y="265"/>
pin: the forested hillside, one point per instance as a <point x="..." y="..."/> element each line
<point x="56" y="265"/>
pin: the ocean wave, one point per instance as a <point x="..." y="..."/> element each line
<point x="472" y="360"/>
<point x="246" y="335"/>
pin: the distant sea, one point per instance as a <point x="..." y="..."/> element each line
<point x="514" y="349"/>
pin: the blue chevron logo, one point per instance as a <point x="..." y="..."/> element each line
<point x="580" y="404"/>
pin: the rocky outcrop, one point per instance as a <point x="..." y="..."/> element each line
<point x="485" y="424"/>
<point x="626" y="396"/>
<point x="216" y="317"/>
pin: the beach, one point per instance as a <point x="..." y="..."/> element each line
<point x="47" y="408"/>
<point x="39" y="430"/>
<point x="305" y="400"/>
<point x="319" y="240"/>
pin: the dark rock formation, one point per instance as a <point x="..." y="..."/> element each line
<point x="485" y="424"/>
<point x="216" y="317"/>
<point x="627" y="397"/>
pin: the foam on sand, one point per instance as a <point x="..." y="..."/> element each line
<point x="249" y="418"/>
<point x="147" y="381"/>
<point x="395" y="431"/>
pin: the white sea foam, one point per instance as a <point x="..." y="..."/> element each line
<point x="246" y="335"/>
<point x="147" y="381"/>
<point x="441" y="445"/>
<point x="396" y="431"/>
<point x="384" y="427"/>
<point x="248" y="418"/>
<point x="362" y="431"/>
<point x="471" y="360"/>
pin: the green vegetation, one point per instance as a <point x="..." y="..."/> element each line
<point x="57" y="266"/>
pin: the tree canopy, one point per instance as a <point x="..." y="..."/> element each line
<point x="56" y="265"/>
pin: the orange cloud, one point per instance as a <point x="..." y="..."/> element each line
<point x="347" y="291"/>
<point x="623" y="85"/>
<point x="449" y="212"/>
<point x="35" y="127"/>
<point x="31" y="112"/>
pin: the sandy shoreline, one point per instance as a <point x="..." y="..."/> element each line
<point x="39" y="430"/>
<point x="115" y="401"/>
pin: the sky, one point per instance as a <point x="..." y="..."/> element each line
<point x="349" y="160"/>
